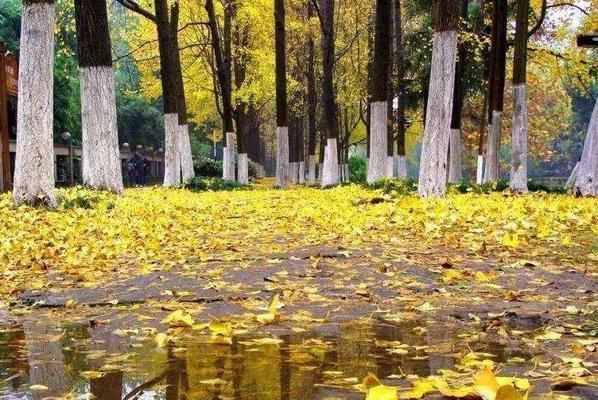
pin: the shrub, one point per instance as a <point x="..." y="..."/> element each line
<point x="207" y="168"/>
<point x="395" y="187"/>
<point x="358" y="169"/>
<point x="202" y="184"/>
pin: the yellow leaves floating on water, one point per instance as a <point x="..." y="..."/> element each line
<point x="92" y="374"/>
<point x="486" y="386"/>
<point x="273" y="315"/>
<point x="221" y="328"/>
<point x="179" y="318"/>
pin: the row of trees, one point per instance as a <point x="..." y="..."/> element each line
<point x="310" y="97"/>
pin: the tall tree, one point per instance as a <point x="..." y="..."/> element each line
<point x="34" y="164"/>
<point x="330" y="173"/>
<point x="455" y="171"/>
<point x="101" y="153"/>
<point x="400" y="122"/>
<point x="177" y="157"/>
<point x="186" y="162"/>
<point x="519" y="139"/>
<point x="497" y="88"/>
<point x="172" y="158"/>
<point x="222" y="57"/>
<point x="379" y="93"/>
<point x="282" y="128"/>
<point x="312" y="105"/>
<point x="433" y="165"/>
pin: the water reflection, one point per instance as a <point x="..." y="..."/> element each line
<point x="39" y="360"/>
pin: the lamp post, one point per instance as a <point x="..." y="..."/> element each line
<point x="66" y="136"/>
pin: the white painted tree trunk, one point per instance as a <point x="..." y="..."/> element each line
<point x="321" y="168"/>
<point x="330" y="175"/>
<point x="282" y="156"/>
<point x="401" y="167"/>
<point x="586" y="180"/>
<point x="101" y="156"/>
<point x="519" y="140"/>
<point x="34" y="164"/>
<point x="229" y="166"/>
<point x="311" y="173"/>
<point x="293" y="173"/>
<point x="224" y="162"/>
<point x="347" y="174"/>
<point x="571" y="181"/>
<point x="187" y="170"/>
<point x="492" y="168"/>
<point x="480" y="170"/>
<point x="390" y="166"/>
<point x="302" y="173"/>
<point x="433" y="164"/>
<point x="377" y="166"/>
<point x="455" y="172"/>
<point x="172" y="157"/>
<point x="243" y="169"/>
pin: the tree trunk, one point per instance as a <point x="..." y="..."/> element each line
<point x="400" y="90"/>
<point x="378" y="163"/>
<point x="586" y="179"/>
<point x="101" y="154"/>
<point x="519" y="150"/>
<point x="499" y="48"/>
<point x="330" y="173"/>
<point x="34" y="164"/>
<point x="455" y="168"/>
<point x="282" y="130"/>
<point x="172" y="158"/>
<point x="223" y="71"/>
<point x="433" y="165"/>
<point x="186" y="162"/>
<point x="312" y="104"/>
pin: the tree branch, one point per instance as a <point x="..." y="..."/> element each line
<point x="135" y="7"/>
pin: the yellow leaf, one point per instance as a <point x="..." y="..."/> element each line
<point x="179" y="318"/>
<point x="92" y="374"/>
<point x="508" y="392"/>
<point x="161" y="339"/>
<point x="485" y="384"/>
<point x="381" y="392"/>
<point x="219" y="328"/>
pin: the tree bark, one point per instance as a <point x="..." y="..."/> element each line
<point x="34" y="164"/>
<point x="186" y="161"/>
<point x="282" y="131"/>
<point x="498" y="48"/>
<point x="223" y="72"/>
<point x="455" y="168"/>
<point x="101" y="154"/>
<point x="586" y="179"/>
<point x="433" y="164"/>
<point x="519" y="149"/>
<point x="399" y="59"/>
<point x="330" y="173"/>
<point x="312" y="104"/>
<point x="172" y="158"/>
<point x="378" y="162"/>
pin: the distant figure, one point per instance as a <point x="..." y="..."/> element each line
<point x="137" y="166"/>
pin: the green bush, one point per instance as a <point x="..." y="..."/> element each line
<point x="358" y="169"/>
<point x="468" y="186"/>
<point x="395" y="187"/>
<point x="202" y="184"/>
<point x="207" y="168"/>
